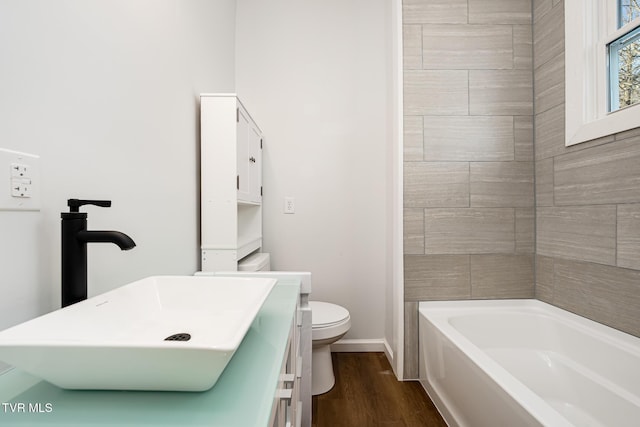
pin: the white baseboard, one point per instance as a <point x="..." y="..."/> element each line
<point x="359" y="346"/>
<point x="388" y="351"/>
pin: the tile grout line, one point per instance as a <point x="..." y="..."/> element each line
<point x="615" y="253"/>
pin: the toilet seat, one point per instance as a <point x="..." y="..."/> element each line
<point x="328" y="320"/>
<point x="324" y="314"/>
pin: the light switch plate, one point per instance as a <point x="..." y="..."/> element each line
<point x="19" y="181"/>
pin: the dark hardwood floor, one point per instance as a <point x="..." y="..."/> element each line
<point x="367" y="394"/>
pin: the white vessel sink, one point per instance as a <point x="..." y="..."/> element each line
<point x="117" y="340"/>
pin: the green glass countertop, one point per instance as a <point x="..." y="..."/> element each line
<point x="243" y="395"/>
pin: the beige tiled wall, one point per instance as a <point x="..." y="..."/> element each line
<point x="587" y="196"/>
<point x="468" y="152"/>
<point x="472" y="105"/>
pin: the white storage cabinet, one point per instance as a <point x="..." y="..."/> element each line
<point x="231" y="182"/>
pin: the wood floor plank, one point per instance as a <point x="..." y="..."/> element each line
<point x="367" y="394"/>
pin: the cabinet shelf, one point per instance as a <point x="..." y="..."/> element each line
<point x="246" y="248"/>
<point x="245" y="203"/>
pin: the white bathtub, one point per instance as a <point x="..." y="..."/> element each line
<point x="526" y="363"/>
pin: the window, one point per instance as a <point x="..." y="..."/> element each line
<point x="624" y="71"/>
<point x="624" y="59"/>
<point x="602" y="68"/>
<point x="628" y="10"/>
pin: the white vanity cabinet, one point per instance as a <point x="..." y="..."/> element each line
<point x="287" y="404"/>
<point x="292" y="399"/>
<point x="231" y="182"/>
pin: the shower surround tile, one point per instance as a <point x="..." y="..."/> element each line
<point x="628" y="250"/>
<point x="473" y="98"/>
<point x="434" y="11"/>
<point x="544" y="182"/>
<point x="411" y="337"/>
<point x="467" y="47"/>
<point x="525" y="230"/>
<point x="588" y="243"/>
<point x="604" y="174"/>
<point x="631" y="133"/>
<point x="436" y="277"/>
<point x="606" y="294"/>
<point x="523" y="138"/>
<point x="585" y="233"/>
<point x="549" y="131"/>
<point x="412" y="47"/>
<point x="544" y="278"/>
<point x="501" y="92"/>
<point x="501" y="184"/>
<point x="522" y="47"/>
<point x="430" y="184"/>
<point x="466" y="138"/>
<point x="412" y="138"/>
<point x="469" y="231"/>
<point x="541" y="8"/>
<point x="413" y="222"/>
<point x="549" y="84"/>
<point x="501" y="276"/>
<point x="436" y="92"/>
<point x="500" y="11"/>
<point x="548" y="34"/>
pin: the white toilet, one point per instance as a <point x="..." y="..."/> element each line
<point x="329" y="323"/>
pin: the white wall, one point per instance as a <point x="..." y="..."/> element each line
<point x="314" y="74"/>
<point x="106" y="92"/>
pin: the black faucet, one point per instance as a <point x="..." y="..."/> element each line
<point x="75" y="237"/>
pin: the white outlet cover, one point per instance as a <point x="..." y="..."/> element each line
<point x="30" y="163"/>
<point x="289" y="205"/>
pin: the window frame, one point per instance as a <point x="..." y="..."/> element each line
<point x="590" y="25"/>
<point x="631" y="36"/>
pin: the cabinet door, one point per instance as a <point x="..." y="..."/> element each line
<point x="255" y="164"/>
<point x="249" y="159"/>
<point x="242" y="155"/>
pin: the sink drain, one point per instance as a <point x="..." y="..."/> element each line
<point x="179" y="337"/>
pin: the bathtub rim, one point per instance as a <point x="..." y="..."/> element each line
<point x="607" y="333"/>
<point x="438" y="315"/>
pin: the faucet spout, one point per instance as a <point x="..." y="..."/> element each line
<point x="123" y="241"/>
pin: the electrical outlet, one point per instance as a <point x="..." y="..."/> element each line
<point x="21" y="187"/>
<point x="20" y="190"/>
<point x="289" y="205"/>
<point x="18" y="170"/>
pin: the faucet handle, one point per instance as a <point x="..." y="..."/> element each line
<point x="74" y="204"/>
